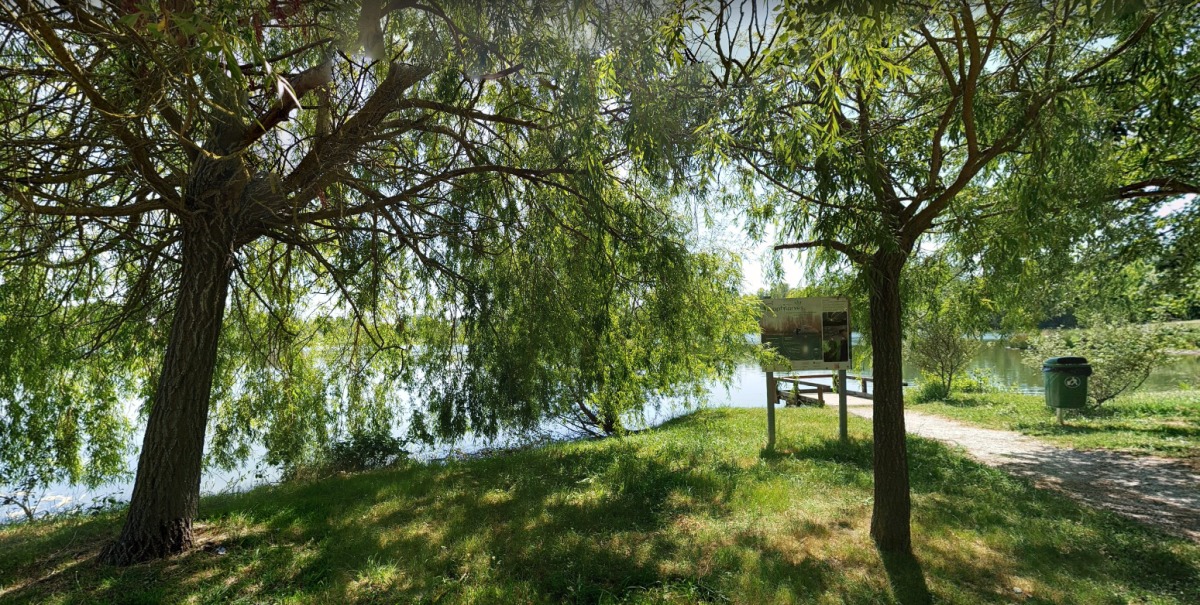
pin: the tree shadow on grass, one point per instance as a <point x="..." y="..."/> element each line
<point x="855" y="453"/>
<point x="1160" y="431"/>
<point x="1039" y="532"/>
<point x="605" y="522"/>
<point x="556" y="525"/>
<point x="957" y="498"/>
<point x="906" y="578"/>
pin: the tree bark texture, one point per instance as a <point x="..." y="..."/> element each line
<point x="890" y="519"/>
<point x="167" y="488"/>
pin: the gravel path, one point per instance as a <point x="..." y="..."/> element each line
<point x="1156" y="491"/>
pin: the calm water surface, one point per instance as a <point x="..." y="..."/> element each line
<point x="1000" y="365"/>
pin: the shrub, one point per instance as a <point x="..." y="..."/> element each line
<point x="940" y="350"/>
<point x="364" y="452"/>
<point x="359" y="452"/>
<point x="1019" y="341"/>
<point x="977" y="382"/>
<point x="1121" y="355"/>
<point x="930" y="388"/>
<point x="1188" y="337"/>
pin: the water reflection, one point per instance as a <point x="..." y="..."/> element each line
<point x="1000" y="365"/>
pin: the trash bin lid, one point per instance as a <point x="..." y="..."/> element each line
<point x="1065" y="361"/>
<point x="1075" y="366"/>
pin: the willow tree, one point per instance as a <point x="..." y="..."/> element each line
<point x="870" y="131"/>
<point x="391" y="175"/>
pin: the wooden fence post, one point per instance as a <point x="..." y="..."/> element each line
<point x="841" y="377"/>
<point x="772" y="399"/>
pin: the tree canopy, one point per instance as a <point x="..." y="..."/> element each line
<point x="284" y="220"/>
<point x="873" y="134"/>
<point x="301" y="207"/>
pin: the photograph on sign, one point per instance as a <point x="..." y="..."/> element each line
<point x="811" y="333"/>
<point x="835" y="336"/>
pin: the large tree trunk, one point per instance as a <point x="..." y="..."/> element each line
<point x="167" y="488"/>
<point x="890" y="518"/>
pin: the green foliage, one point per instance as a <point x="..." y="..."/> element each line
<point x="1101" y="222"/>
<point x="690" y="512"/>
<point x="867" y="131"/>
<point x="977" y="382"/>
<point x="505" y="244"/>
<point x="940" y="349"/>
<point x="354" y="453"/>
<point x="65" y="380"/>
<point x="1020" y="340"/>
<point x="592" y="352"/>
<point x="364" y="451"/>
<point x="1188" y="334"/>
<point x="1121" y="356"/>
<point x="929" y="388"/>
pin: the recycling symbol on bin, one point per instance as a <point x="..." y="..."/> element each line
<point x="1072" y="382"/>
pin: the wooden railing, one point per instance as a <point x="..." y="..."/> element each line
<point x="820" y="389"/>
<point x="796" y="391"/>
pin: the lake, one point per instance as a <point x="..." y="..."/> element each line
<point x="998" y="363"/>
<point x="747" y="389"/>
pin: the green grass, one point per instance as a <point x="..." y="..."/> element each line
<point x="692" y="512"/>
<point x="1162" y="424"/>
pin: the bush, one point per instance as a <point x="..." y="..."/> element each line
<point x="1188" y="337"/>
<point x="930" y="388"/>
<point x="360" y="452"/>
<point x="1019" y="341"/>
<point x="365" y="452"/>
<point x="1121" y="355"/>
<point x="977" y="382"/>
<point x="940" y="350"/>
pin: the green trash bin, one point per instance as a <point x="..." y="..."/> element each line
<point x="1066" y="382"/>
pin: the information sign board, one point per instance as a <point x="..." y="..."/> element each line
<point x="812" y="333"/>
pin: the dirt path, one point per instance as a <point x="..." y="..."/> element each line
<point x="1156" y="491"/>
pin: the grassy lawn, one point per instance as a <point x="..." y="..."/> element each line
<point x="1162" y="424"/>
<point x="692" y="512"/>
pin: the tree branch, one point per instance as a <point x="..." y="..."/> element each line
<point x="1162" y="187"/>
<point x="414" y="190"/>
<point x="855" y="255"/>
<point x="292" y="90"/>
<point x="37" y="28"/>
<point x="80" y="211"/>
<point x="339" y="147"/>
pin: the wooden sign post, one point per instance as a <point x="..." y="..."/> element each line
<point x="841" y="378"/>
<point x="772" y="399"/>
<point x="811" y="334"/>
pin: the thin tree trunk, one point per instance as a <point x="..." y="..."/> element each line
<point x="167" y="488"/>
<point x="612" y="423"/>
<point x="891" y="515"/>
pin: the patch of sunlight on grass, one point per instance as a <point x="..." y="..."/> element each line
<point x="425" y="531"/>
<point x="1163" y="424"/>
<point x="495" y="497"/>
<point x="377" y="576"/>
<point x="690" y="512"/>
<point x="765" y="497"/>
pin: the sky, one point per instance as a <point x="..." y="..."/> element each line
<point x="756" y="255"/>
<point x="727" y="232"/>
<point x="756" y="262"/>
